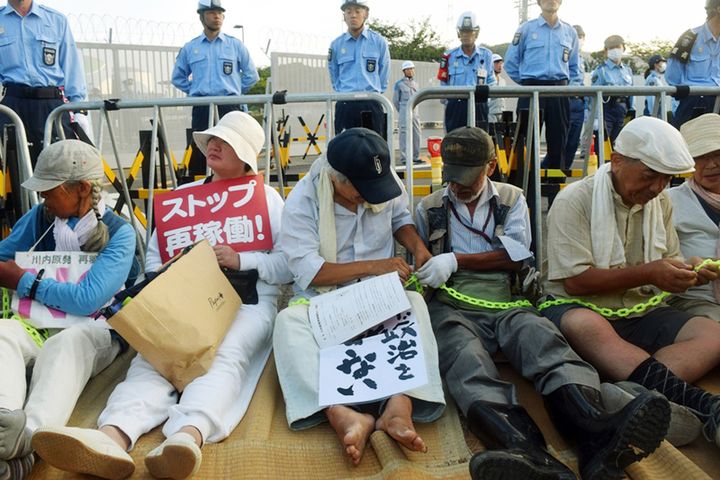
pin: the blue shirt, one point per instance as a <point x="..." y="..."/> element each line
<point x="463" y="69"/>
<point x="541" y="52"/>
<point x="612" y="74"/>
<point x="654" y="79"/>
<point x="359" y="64"/>
<point x="515" y="239"/>
<point x="703" y="68"/>
<point x="106" y="276"/>
<point x="38" y="50"/>
<point x="220" y="67"/>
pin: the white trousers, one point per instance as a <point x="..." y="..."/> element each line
<point x="62" y="368"/>
<point x="297" y="356"/>
<point x="213" y="403"/>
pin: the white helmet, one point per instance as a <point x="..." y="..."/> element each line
<point x="407" y="64"/>
<point x="354" y="3"/>
<point x="467" y="22"/>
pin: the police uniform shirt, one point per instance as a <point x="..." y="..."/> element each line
<point x="219" y="67"/>
<point x="542" y="52"/>
<point x="39" y="51"/>
<point x="654" y="79"/>
<point x="703" y="67"/>
<point x="612" y="74"/>
<point x="359" y="64"/>
<point x="463" y="69"/>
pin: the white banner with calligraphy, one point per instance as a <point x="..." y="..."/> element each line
<point x="66" y="267"/>
<point x="227" y="212"/>
<point x="384" y="361"/>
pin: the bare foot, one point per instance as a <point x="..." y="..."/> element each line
<point x="396" y="421"/>
<point x="352" y="428"/>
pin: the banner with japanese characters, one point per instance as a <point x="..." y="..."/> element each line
<point x="227" y="212"/>
<point x="386" y="360"/>
<point x="66" y="267"/>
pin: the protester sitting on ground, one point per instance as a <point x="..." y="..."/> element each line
<point x="212" y="405"/>
<point x="72" y="217"/>
<point x="339" y="223"/>
<point x="480" y="233"/>
<point x="611" y="247"/>
<point x="696" y="212"/>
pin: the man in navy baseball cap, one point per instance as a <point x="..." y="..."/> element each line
<point x="363" y="157"/>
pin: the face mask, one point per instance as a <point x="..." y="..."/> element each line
<point x="661" y="67"/>
<point x="615" y="54"/>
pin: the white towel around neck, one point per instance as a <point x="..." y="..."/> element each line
<point x="612" y="253"/>
<point x="70" y="240"/>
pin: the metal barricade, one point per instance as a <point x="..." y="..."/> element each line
<point x="158" y="126"/>
<point x="532" y="134"/>
<point x="27" y="198"/>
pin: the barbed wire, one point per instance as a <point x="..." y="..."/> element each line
<point x="134" y="31"/>
<point x="137" y="31"/>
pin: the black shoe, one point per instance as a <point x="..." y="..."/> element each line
<point x="609" y="442"/>
<point x="513" y="465"/>
<point x="516" y="447"/>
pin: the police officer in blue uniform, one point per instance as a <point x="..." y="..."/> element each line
<point x="545" y="51"/>
<point x="615" y="73"/>
<point x="213" y="64"/>
<point x="359" y="61"/>
<point x="654" y="77"/>
<point x="466" y="65"/>
<point x="577" y="106"/>
<point x="39" y="63"/>
<point x="695" y="60"/>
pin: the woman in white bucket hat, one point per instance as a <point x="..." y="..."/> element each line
<point x="212" y="405"/>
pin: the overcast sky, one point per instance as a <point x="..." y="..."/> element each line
<point x="312" y="23"/>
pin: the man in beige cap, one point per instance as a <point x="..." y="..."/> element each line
<point x="611" y="248"/>
<point x="696" y="212"/>
<point x="213" y="404"/>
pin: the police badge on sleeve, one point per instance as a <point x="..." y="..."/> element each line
<point x="371" y="65"/>
<point x="227" y="68"/>
<point x="49" y="55"/>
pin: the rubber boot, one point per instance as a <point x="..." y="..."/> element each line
<point x="515" y="446"/>
<point x="609" y="442"/>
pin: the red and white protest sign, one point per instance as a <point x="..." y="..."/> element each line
<point x="227" y="212"/>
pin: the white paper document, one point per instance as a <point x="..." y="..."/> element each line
<point x="345" y="313"/>
<point x="385" y="361"/>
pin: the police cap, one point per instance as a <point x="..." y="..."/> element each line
<point x="353" y="3"/>
<point x="207" y="5"/>
<point x="579" y="30"/>
<point x="614" y="41"/>
<point x="655" y="59"/>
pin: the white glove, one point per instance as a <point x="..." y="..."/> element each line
<point x="437" y="270"/>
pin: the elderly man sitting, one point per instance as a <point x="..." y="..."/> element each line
<point x="480" y="231"/>
<point x="339" y="224"/>
<point x="696" y="212"/>
<point x="611" y="247"/>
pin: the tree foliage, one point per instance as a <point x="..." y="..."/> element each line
<point x="418" y="41"/>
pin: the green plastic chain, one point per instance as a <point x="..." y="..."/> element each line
<point x="621" y="312"/>
<point x="477" y="302"/>
<point x="38" y="336"/>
